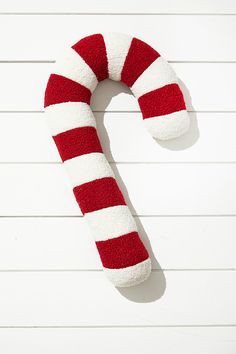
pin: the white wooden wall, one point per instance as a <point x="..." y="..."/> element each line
<point x="54" y="297"/>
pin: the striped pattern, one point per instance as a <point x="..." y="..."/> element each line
<point x="73" y="127"/>
<point x="76" y="142"/>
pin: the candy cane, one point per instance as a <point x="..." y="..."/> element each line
<point x="67" y="101"/>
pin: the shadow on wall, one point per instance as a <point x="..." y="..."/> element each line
<point x="154" y="287"/>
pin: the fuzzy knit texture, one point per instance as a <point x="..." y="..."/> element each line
<point x="72" y="124"/>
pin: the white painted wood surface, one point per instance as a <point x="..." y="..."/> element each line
<point x="149" y="189"/>
<point x="177" y="37"/>
<point x="185" y="340"/>
<point x="87" y="298"/>
<point x="53" y="294"/>
<point x="199" y="81"/>
<point x="124" y="7"/>
<point x="211" y="139"/>
<point x="55" y="243"/>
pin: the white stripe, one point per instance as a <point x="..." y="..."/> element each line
<point x="117" y="47"/>
<point x="68" y="115"/>
<point x="88" y="167"/>
<point x="72" y="66"/>
<point x="129" y="276"/>
<point x="110" y="222"/>
<point x="169" y="126"/>
<point x="157" y="75"/>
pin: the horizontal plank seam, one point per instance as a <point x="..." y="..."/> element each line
<point x="115" y="111"/>
<point x="100" y="270"/>
<point x="213" y="325"/>
<point x="112" y="162"/>
<point x="54" y="13"/>
<point x="35" y="61"/>
<point x="134" y="215"/>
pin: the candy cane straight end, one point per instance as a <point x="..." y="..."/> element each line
<point x="72" y="124"/>
<point x="129" y="276"/>
<point x="169" y="126"/>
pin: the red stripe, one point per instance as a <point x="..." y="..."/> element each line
<point x="139" y="57"/>
<point x="93" y="50"/>
<point x="77" y="141"/>
<point x="121" y="252"/>
<point x="165" y="100"/>
<point x="98" y="194"/>
<point x="61" y="89"/>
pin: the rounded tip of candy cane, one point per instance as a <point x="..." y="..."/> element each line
<point x="169" y="126"/>
<point x="129" y="276"/>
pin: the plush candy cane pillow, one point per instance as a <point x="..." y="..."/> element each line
<point x="73" y="127"/>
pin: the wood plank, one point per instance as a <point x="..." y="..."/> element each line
<point x="66" y="243"/>
<point x="200" y="95"/>
<point x="194" y="340"/>
<point x="88" y="299"/>
<point x="166" y="189"/>
<point x="209" y="38"/>
<point x="105" y="6"/>
<point x="210" y="139"/>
